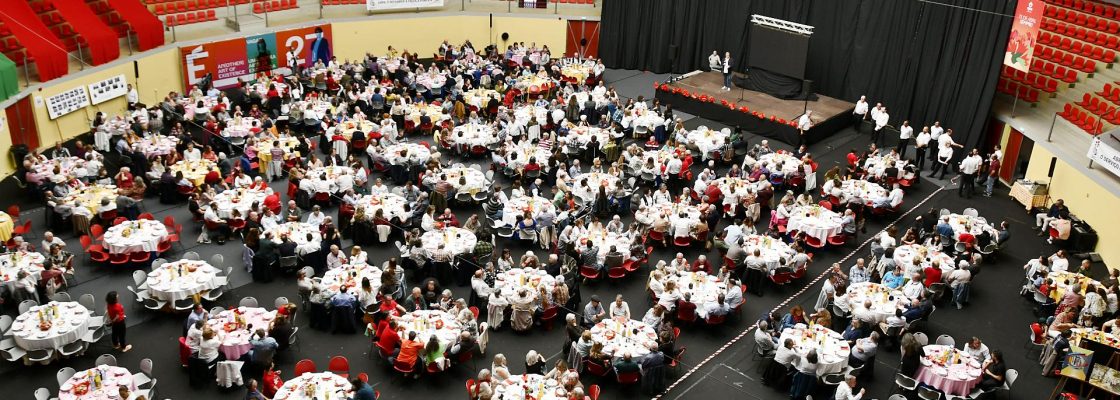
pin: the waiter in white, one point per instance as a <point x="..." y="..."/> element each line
<point x="714" y="63"/>
<point x="803" y="125"/>
<point x="727" y="71"/>
<point x="880" y="116"/>
<point x="905" y="132"/>
<point x="860" y="113"/>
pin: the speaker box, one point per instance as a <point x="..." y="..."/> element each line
<point x="1053" y="163"/>
<point x="806" y="88"/>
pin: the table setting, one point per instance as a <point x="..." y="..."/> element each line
<point x="315" y="386"/>
<point x="594" y="180"/>
<point x="102" y="382"/>
<point x="298" y="232"/>
<point x="454" y="240"/>
<point x="141" y="235"/>
<point x="518" y="156"/>
<point x="182" y="279"/>
<point x="514" y="210"/>
<point x="12" y="263"/>
<point x="43" y="171"/>
<point x="876" y="166"/>
<point x="240" y="127"/>
<point x="884" y="300"/>
<point x="815" y="221"/>
<point x="475" y="179"/>
<point x="240" y="199"/>
<point x="604" y="240"/>
<point x="707" y="140"/>
<point x="774" y="252"/>
<point x="89" y="196"/>
<point x="473" y="134"/>
<point x="391" y="206"/>
<point x="904" y="256"/>
<point x="156" y="145"/>
<point x="703" y="289"/>
<point x="949" y="370"/>
<point x="431" y="322"/>
<point x="647" y="215"/>
<point x="51" y="326"/>
<point x="529" y="387"/>
<point x="326" y="179"/>
<point x="234" y="327"/>
<point x="832" y="350"/>
<point x="621" y="336"/>
<point x="401" y="153"/>
<point x="531" y="279"/>
<point x="780" y="161"/>
<point x="194" y="170"/>
<point x="350" y="276"/>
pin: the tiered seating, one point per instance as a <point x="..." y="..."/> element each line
<point x="109" y="16"/>
<point x="1031" y="79"/>
<point x="1076" y="46"/>
<point x="191" y="17"/>
<point x="53" y="20"/>
<point x="183" y="12"/>
<point x="10" y="46"/>
<point x="263" y="6"/>
<point x="1082" y="119"/>
<point x="342" y="2"/>
<point x="1068" y="60"/>
<point x="1053" y="70"/>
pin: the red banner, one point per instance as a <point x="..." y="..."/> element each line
<point x="228" y="61"/>
<point x="1024" y="34"/>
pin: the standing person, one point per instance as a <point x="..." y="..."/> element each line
<point x="921" y="142"/>
<point x="993" y="174"/>
<point x="803" y="125"/>
<point x="941" y="163"/>
<point x="881" y="118"/>
<point x="727" y="71"/>
<point x="860" y="113"/>
<point x="115" y="312"/>
<point x="291" y="60"/>
<point x="713" y="61"/>
<point x="905" y="132"/>
<point x="968" y="169"/>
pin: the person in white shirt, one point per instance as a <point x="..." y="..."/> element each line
<point x="242" y="180"/>
<point x="316" y="217"/>
<point x="619" y="308"/>
<point x="845" y="391"/>
<point x="378" y="188"/>
<point x="936" y="130"/>
<point x="881" y="119"/>
<point x="49" y="240"/>
<point x="803" y="125"/>
<point x="944" y="155"/>
<point x="860" y="113"/>
<point x="905" y="132"/>
<point x="718" y="308"/>
<point x="335" y="258"/>
<point x="976" y="349"/>
<point x="192" y="153"/>
<point x="786" y="355"/>
<point x="921" y="145"/>
<point x="727" y="71"/>
<point x="968" y="169"/>
<point x="133" y="97"/>
<point x="714" y="62"/>
<point x="673" y="169"/>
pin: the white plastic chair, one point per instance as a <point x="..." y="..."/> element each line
<point x="946" y="340"/>
<point x="921" y="338"/>
<point x="106" y="359"/>
<point x="64" y="375"/>
<point x="248" y="302"/>
<point x="280" y="301"/>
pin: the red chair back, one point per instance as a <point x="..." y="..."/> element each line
<point x="474" y="310"/>
<point x="305" y="366"/>
<point x="686" y="314"/>
<point x="470" y="388"/>
<point x="339" y="365"/>
<point x="13" y="211"/>
<point x="593" y="392"/>
<point x="616" y="273"/>
<point x="595" y="368"/>
<point x="403" y="367"/>
<point x="716" y="319"/>
<point x="169" y="222"/>
<point x="629" y="378"/>
<point x="588" y="272"/>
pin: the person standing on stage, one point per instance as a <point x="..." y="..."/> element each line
<point x="905" y="132"/>
<point x="935" y="133"/>
<point x="880" y="116"/>
<point x="727" y="71"/>
<point x="968" y="169"/>
<point x="860" y="113"/>
<point x="713" y="61"/>
<point x="921" y="143"/>
<point x="803" y="125"/>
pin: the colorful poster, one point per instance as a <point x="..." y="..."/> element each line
<point x="375" y="5"/>
<point x="261" y="52"/>
<point x="1077" y="363"/>
<point x="227" y="62"/>
<point x="1024" y="32"/>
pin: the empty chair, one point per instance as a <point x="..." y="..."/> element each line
<point x="42" y="394"/>
<point x="248" y="302"/>
<point x="921" y="338"/>
<point x="145" y="375"/>
<point x="971" y="212"/>
<point x="106" y="359"/>
<point x="280" y="301"/>
<point x="190" y="255"/>
<point x="5" y="324"/>
<point x="218" y="261"/>
<point x="64" y="375"/>
<point x="140" y="278"/>
<point x="61" y="297"/>
<point x="26" y="305"/>
<point x="946" y="340"/>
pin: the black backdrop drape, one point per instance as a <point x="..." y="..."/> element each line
<point x="924" y="61"/>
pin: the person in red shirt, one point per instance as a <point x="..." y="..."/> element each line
<point x="853" y="158"/>
<point x="272" y="202"/>
<point x="410" y="353"/>
<point x="388" y="339"/>
<point x="115" y="312"/>
<point x="933" y="275"/>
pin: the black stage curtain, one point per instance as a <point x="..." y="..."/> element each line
<point x="924" y="61"/>
<point x="774" y="84"/>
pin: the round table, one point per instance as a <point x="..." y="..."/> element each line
<point x="431" y="81"/>
<point x="815" y="221"/>
<point x="6" y="226"/>
<point x="703" y="289"/>
<point x="659" y="158"/>
<point x="949" y="370"/>
<point x="240" y="199"/>
<point x="581" y="136"/>
<point x="240" y="127"/>
<point x="516" y="207"/>
<point x="648" y="215"/>
<point x="472" y="134"/>
<point x="315" y="385"/>
<point x="1063" y="280"/>
<point x="772" y="251"/>
<point x="431" y="322"/>
<point x="480" y="97"/>
<point x="976" y="225"/>
<point x="182" y="279"/>
<point x="734" y="189"/>
<point x="264" y="152"/>
<point x="620" y="337"/>
<point x="1096" y="335"/>
<point x="510" y="282"/>
<point x="594" y="181"/>
<point x="524" y="114"/>
<point x="884" y="301"/>
<point x="89" y="197"/>
<point x="454" y="240"/>
<point x="706" y="140"/>
<point x="67" y="166"/>
<point x="400" y="153"/>
<point x="832" y="349"/>
<point x="412" y="112"/>
<point x="391" y="206"/>
<point x="194" y="171"/>
<point x="781" y="161"/>
<point x="83" y="385"/>
<point x="347" y="128"/>
<point x="529" y="386"/>
<point x="648" y="119"/>
<point x="350" y="276"/>
<point x="876" y="166"/>
<point x="297" y="232"/>
<point x="156" y="145"/>
<point x="475" y="179"/>
<point x="578" y="72"/>
<point x="67" y="322"/>
<point x="326" y="180"/>
<point x="863" y="189"/>
<point x="904" y="256"/>
<point x="134" y="236"/>
<point x="604" y="240"/>
<point x="12" y="263"/>
<point x="518" y="156"/>
<point x="234" y="327"/>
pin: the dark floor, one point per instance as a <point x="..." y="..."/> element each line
<point x="997" y="315"/>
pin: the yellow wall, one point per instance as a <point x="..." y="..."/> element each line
<point x="8" y="165"/>
<point x="1085" y="198"/>
<point x="353" y="39"/>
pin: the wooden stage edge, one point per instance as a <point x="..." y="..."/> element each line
<point x="709" y="83"/>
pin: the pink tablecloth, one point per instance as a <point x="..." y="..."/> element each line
<point x="957" y="379"/>
<point x="235" y="339"/>
<point x="81" y="382"/>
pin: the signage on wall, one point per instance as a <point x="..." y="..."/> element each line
<point x="1102" y="154"/>
<point x="102" y="91"/>
<point x="375" y="5"/>
<point x="67" y="102"/>
<point x="1024" y="32"/>
<point x="227" y="61"/>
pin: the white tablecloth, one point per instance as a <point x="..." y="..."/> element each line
<point x="234" y="336"/>
<point x="156" y="145"/>
<point x="351" y="277"/>
<point x="581" y="135"/>
<point x="479" y="97"/>
<point x="516" y="207"/>
<point x="81" y="385"/>
<point x="431" y="322"/>
<point x="518" y="156"/>
<point x="318" y="384"/>
<point x="67" y="167"/>
<point x="865" y="190"/>
<point x="707" y="140"/>
<point x="904" y="256"/>
<point x="412" y="112"/>
<point x="298" y="231"/>
<point x="347" y="128"/>
<point x="327" y="180"/>
<point x="391" y="205"/>
<point x="604" y="240"/>
<point x="431" y="81"/>
<point x="194" y="171"/>
<point x="815" y="221"/>
<point x="594" y="181"/>
<point x="510" y="282"/>
<point x="734" y="189"/>
<point x="832" y="349"/>
<point x="134" y="236"/>
<point x="780" y="162"/>
<point x="673" y="211"/>
<point x="240" y="199"/>
<point x="704" y="289"/>
<point x="525" y="387"/>
<point x="416" y="153"/>
<point x="877" y="165"/>
<point x="240" y="127"/>
<point x="473" y="135"/>
<point x="175" y="280"/>
<point x="12" y="263"/>
<point x="976" y="225"/>
<point x="620" y="337"/>
<point x="772" y="251"/>
<point x="69" y="325"/>
<point x="884" y="301"/>
<point x="524" y="114"/>
<point x="454" y="240"/>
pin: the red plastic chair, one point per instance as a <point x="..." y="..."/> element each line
<point x="118" y="259"/>
<point x="593" y="392"/>
<point x="548" y="317"/>
<point x="628" y="378"/>
<point x="340" y="366"/>
<point x="184" y="351"/>
<point x="404" y="368"/>
<point x="139" y="257"/>
<point x="837" y="240"/>
<point x="682" y="241"/>
<point x="13" y="210"/>
<point x="474" y="310"/>
<point x="589" y="272"/>
<point x="595" y="368"/>
<point x="305" y="366"/>
<point x="616" y="273"/>
<point x="22" y="230"/>
<point x="716" y="319"/>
